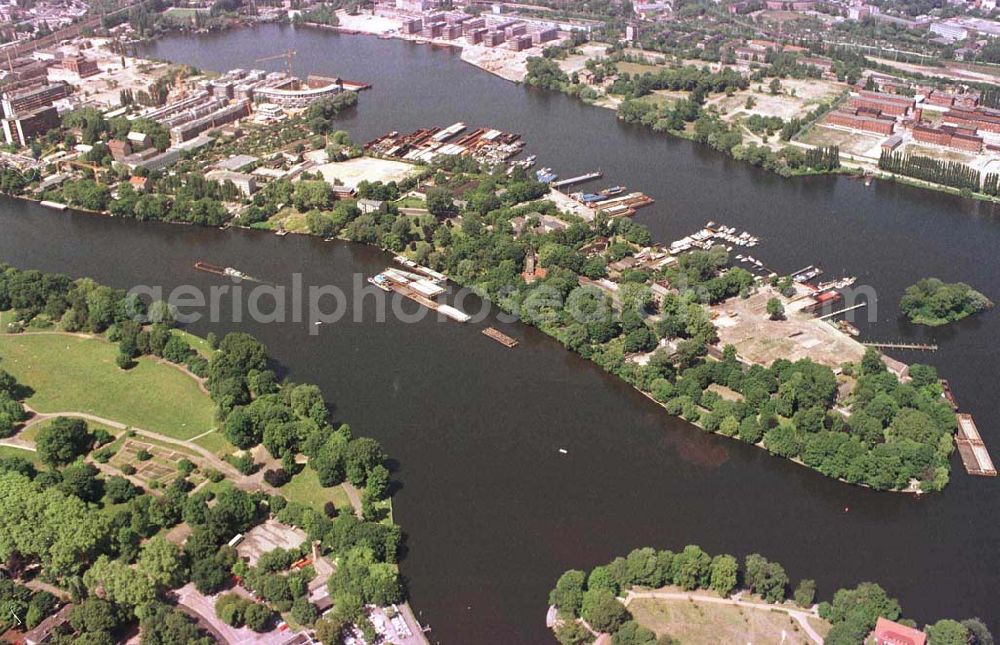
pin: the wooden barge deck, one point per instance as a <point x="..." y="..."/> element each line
<point x="971" y="448"/>
<point x="500" y="337"/>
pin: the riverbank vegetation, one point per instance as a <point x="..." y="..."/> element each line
<point x="933" y="302"/>
<point x="599" y="601"/>
<point x="109" y="508"/>
<point x="692" y="115"/>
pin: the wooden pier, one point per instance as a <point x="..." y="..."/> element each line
<point x="920" y="347"/>
<point x="971" y="448"/>
<point x="500" y="337"/>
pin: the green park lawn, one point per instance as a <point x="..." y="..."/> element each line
<point x="305" y="489"/>
<point x="6" y="317"/>
<point x="197" y="343"/>
<point x="215" y="443"/>
<point x="7" y="451"/>
<point x="70" y="374"/>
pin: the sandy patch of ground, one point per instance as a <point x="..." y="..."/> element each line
<point x="353" y="171"/>
<point x="578" y="62"/>
<point x="851" y="142"/>
<point x="367" y="23"/>
<point x="501" y="61"/>
<point x="746" y="325"/>
<point x="105" y="87"/>
<point x="808" y="93"/>
<point x="697" y="622"/>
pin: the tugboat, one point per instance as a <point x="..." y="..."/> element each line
<point x="380" y="281"/>
<point x="235" y="273"/>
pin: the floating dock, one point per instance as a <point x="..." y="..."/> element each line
<point x="597" y="174"/>
<point x="971" y="448"/>
<point x="500" y="337"/>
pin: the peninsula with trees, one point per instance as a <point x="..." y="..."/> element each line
<point x="655" y="597"/>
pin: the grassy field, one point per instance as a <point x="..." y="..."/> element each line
<point x="851" y="142"/>
<point x="7" y="452"/>
<point x="71" y="374"/>
<point x="6" y="317"/>
<point x="638" y="68"/>
<point x="197" y="343"/>
<point x="410" y="201"/>
<point x="33" y="431"/>
<point x="215" y="443"/>
<point x="693" y="622"/>
<point x="305" y="489"/>
<point x="289" y="219"/>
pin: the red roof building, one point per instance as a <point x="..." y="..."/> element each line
<point x="888" y="632"/>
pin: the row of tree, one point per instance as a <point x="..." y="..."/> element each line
<point x="946" y="173"/>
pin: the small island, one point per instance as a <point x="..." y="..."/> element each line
<point x="933" y="302"/>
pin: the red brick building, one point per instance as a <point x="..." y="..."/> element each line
<point x="884" y="103"/>
<point x="860" y="121"/>
<point x="80" y="65"/>
<point x="949" y="136"/>
<point x="119" y="149"/>
<point x="977" y="119"/>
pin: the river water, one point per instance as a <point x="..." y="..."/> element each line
<point x="493" y="512"/>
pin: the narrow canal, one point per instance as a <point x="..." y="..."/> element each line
<point x="493" y="511"/>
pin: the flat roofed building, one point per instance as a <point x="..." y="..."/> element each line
<point x="21" y="130"/>
<point x="15" y="103"/>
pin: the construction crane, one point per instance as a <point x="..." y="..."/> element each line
<point x="288" y="55"/>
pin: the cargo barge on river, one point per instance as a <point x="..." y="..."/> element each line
<point x="971" y="448"/>
<point x="419" y="285"/>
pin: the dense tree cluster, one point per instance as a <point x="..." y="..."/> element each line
<point x="321" y="115"/>
<point x="82" y="305"/>
<point x="933" y="302"/>
<point x="545" y="73"/>
<point x="12" y="412"/>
